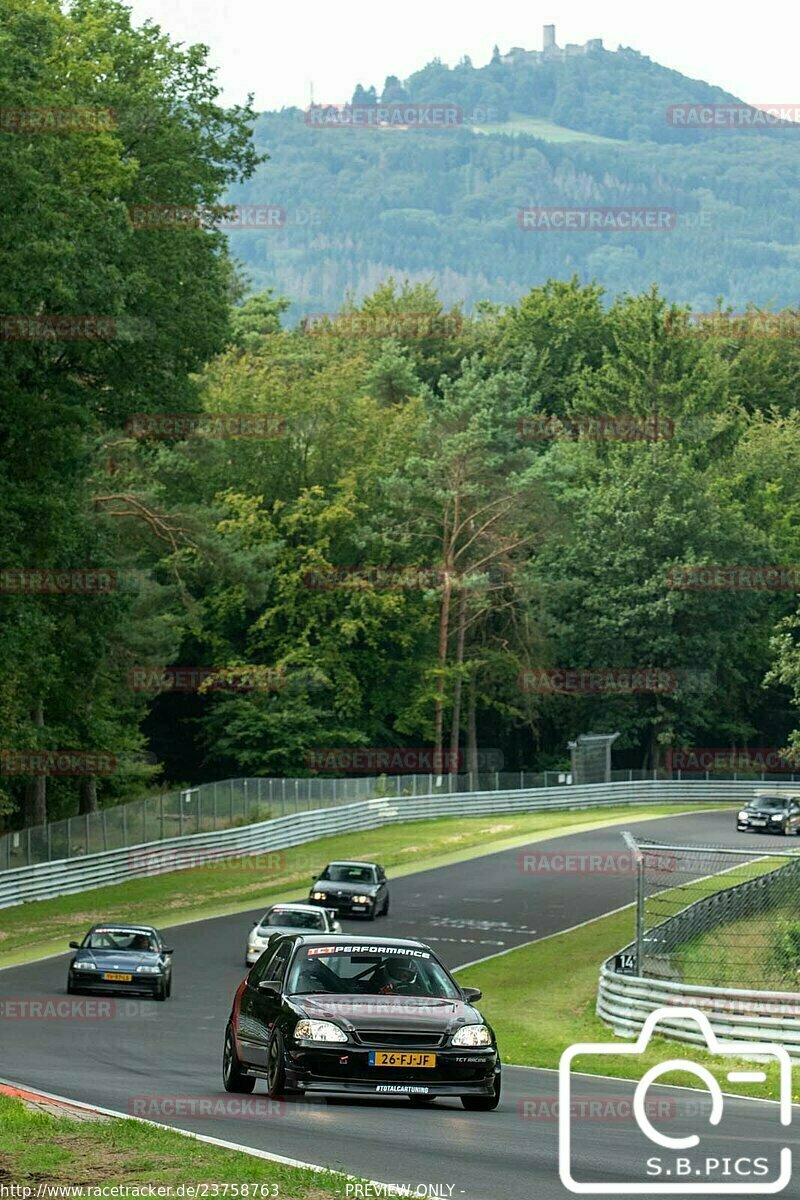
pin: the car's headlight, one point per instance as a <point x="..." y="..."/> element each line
<point x="148" y="970"/>
<point x="777" y="816"/>
<point x="744" y="816"/>
<point x="362" y="899"/>
<point x="472" y="1035"/>
<point x="319" y="895"/>
<point x="84" y="966"/>
<point x="319" y="1031"/>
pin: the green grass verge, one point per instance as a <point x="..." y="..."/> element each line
<point x="37" y="1148"/>
<point x="541" y="999"/>
<point x="44" y="927"/>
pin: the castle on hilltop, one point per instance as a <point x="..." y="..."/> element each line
<point x="550" y="50"/>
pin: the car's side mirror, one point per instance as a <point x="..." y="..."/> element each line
<point x="314" y="878"/>
<point x="166" y="951"/>
<point x="74" y="945"/>
<point x="270" y="985"/>
<point x="471" y="994"/>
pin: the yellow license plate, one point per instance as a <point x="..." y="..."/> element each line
<point x="118" y="978"/>
<point x="401" y="1058"/>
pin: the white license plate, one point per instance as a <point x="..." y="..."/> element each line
<point x="757" y="821"/>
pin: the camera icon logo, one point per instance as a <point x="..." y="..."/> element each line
<point x="676" y="1172"/>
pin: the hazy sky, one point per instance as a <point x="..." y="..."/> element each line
<point x="278" y="50"/>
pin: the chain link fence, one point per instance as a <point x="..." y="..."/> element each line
<point x="718" y="917"/>
<point x="232" y="802"/>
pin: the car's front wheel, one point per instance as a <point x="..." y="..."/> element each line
<point x="161" y="992"/>
<point x="233" y="1078"/>
<point x="276" y="1070"/>
<point x="483" y="1103"/>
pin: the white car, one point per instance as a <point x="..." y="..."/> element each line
<point x="288" y="918"/>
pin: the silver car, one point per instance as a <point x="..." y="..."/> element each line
<point x="288" y="918"/>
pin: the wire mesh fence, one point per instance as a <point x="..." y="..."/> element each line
<point x="718" y="916"/>
<point x="232" y="802"/>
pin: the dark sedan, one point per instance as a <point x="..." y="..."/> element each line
<point x="359" y="1016"/>
<point x="352" y="889"/>
<point x="771" y="812"/>
<point x="121" y="958"/>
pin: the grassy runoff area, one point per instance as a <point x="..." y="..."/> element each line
<point x="37" y="1147"/>
<point x="43" y="927"/>
<point x="541" y="999"/>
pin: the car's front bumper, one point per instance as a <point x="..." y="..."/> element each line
<point x="346" y="1069"/>
<point x="767" y="827"/>
<point x="344" y="907"/>
<point x="140" y="984"/>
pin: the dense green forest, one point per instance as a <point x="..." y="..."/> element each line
<point x="361" y="204"/>
<point x="266" y="556"/>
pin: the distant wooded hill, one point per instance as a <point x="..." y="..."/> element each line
<point x="587" y="131"/>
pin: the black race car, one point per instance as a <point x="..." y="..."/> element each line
<point x="771" y="812"/>
<point x="359" y="1016"/>
<point x="352" y="889"/>
<point x="121" y="958"/>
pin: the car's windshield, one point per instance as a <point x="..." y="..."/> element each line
<point x="769" y="802"/>
<point x="287" y="918"/>
<point x="352" y="970"/>
<point x="348" y="873"/>
<point x="119" y="940"/>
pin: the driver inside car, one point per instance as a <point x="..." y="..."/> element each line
<point x="397" y="977"/>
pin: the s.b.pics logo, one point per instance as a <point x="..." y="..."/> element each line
<point x="704" y="1153"/>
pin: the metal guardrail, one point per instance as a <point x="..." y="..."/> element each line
<point x="624" y="1002"/>
<point x="70" y="875"/>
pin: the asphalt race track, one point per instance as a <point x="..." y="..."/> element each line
<point x="466" y="911"/>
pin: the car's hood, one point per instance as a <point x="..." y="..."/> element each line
<point x="417" y="1014"/>
<point x="344" y="889"/>
<point x="763" y="811"/>
<point x="118" y="960"/>
<point x="270" y="930"/>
